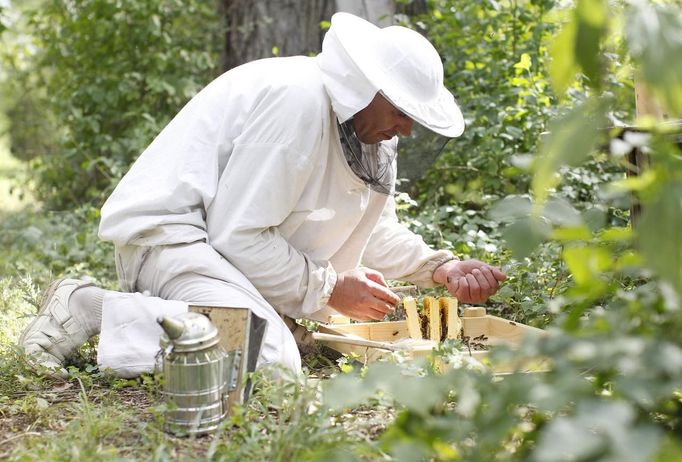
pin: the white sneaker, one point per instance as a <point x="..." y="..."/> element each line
<point x="54" y="334"/>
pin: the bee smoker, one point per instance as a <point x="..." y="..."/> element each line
<point x="198" y="374"/>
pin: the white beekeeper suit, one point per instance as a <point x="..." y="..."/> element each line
<point x="246" y="197"/>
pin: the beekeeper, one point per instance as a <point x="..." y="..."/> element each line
<point x="269" y="190"/>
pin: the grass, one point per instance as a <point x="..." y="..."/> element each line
<point x="92" y="416"/>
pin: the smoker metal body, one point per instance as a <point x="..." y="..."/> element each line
<point x="199" y="374"/>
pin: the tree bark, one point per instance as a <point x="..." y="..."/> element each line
<point x="379" y="12"/>
<point x="413" y="8"/>
<point x="257" y="29"/>
<point x="645" y="105"/>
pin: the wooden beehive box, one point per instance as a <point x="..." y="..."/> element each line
<point x="241" y="334"/>
<point x="479" y="329"/>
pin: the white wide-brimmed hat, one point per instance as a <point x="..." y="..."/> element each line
<point x="405" y="67"/>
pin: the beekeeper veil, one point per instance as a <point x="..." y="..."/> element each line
<point x="359" y="60"/>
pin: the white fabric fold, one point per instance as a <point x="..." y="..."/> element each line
<point x="198" y="275"/>
<point x="129" y="339"/>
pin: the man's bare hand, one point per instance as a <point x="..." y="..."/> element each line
<point x="471" y="281"/>
<point x="362" y="294"/>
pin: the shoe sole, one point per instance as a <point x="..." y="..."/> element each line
<point x="47" y="295"/>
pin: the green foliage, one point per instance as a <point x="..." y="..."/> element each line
<point x="577" y="46"/>
<point x="608" y="295"/>
<point x="47" y="245"/>
<point x="658" y="231"/>
<point x="496" y="62"/>
<point x="114" y="72"/>
<point x="285" y="421"/>
<point x="493" y="57"/>
<point x="472" y="234"/>
<point x="610" y="395"/>
<point x="653" y="38"/>
<point x="33" y="131"/>
<point x="32" y="128"/>
<point x="612" y="391"/>
<point x="572" y="139"/>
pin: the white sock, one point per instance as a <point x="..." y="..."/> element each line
<point x="85" y="304"/>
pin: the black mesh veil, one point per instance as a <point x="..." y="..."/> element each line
<point x="372" y="163"/>
<point x="417" y="153"/>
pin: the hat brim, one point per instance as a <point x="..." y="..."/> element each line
<point x="361" y="39"/>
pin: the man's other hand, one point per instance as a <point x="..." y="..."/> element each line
<point x="362" y="294"/>
<point x="471" y="281"/>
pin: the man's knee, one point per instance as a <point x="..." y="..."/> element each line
<point x="279" y="347"/>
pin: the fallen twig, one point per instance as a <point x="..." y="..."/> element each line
<point x="20" y="435"/>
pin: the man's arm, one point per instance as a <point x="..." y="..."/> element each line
<point x="400" y="254"/>
<point x="270" y="165"/>
<point x="471" y="281"/>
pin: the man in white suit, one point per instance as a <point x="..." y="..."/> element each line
<point x="271" y="189"/>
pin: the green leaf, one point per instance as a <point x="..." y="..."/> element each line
<point x="576" y="47"/>
<point x="514" y="131"/>
<point x="419" y="394"/>
<point x="524" y="63"/>
<point x="670" y="450"/>
<point x="525" y="235"/>
<point x="586" y="264"/>
<point x="655" y="42"/>
<point x="599" y="430"/>
<point x="511" y="208"/>
<point x="594" y="217"/>
<point x="345" y="391"/>
<point x="580" y="233"/>
<point x="407" y="450"/>
<point x="560" y="212"/>
<point x="571" y="139"/>
<point x="565" y="439"/>
<point x="592" y="12"/>
<point x="628" y="260"/>
<point x="591" y="27"/>
<point x="616" y="234"/>
<point x="42" y="404"/>
<point x="660" y="238"/>
<point x="634" y="183"/>
<point x="563" y="66"/>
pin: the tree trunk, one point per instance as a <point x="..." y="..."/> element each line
<point x="413" y="8"/>
<point x="645" y="105"/>
<point x="257" y="29"/>
<point x="379" y="12"/>
<point x="260" y="29"/>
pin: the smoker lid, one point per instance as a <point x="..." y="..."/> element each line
<point x="188" y="332"/>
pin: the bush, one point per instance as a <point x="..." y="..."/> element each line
<point x="114" y="73"/>
<point x="493" y="56"/>
<point x="612" y="392"/>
